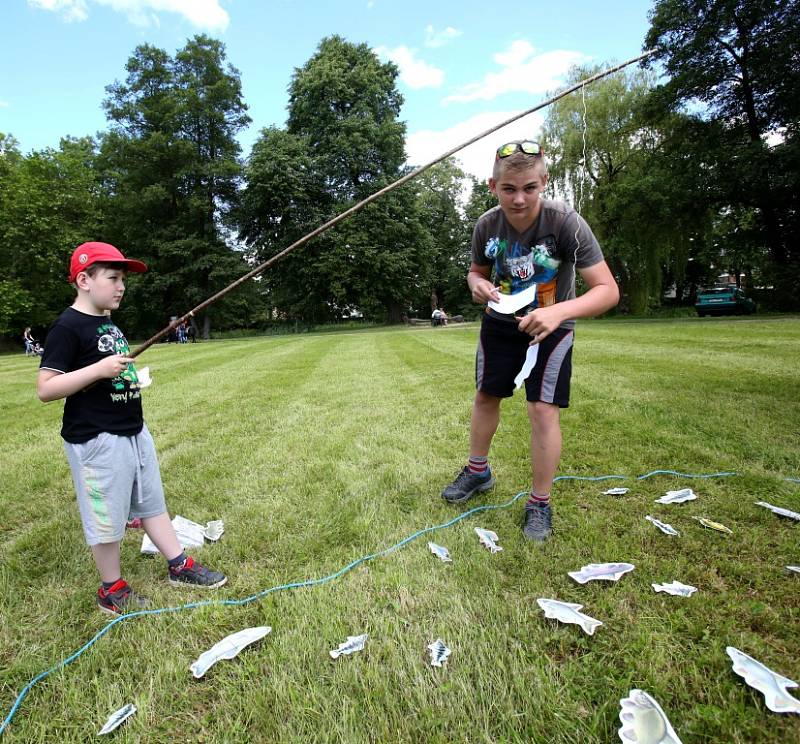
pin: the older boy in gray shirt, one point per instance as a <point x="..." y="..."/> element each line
<point x="535" y="246"/>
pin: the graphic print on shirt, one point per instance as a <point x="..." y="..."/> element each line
<point x="111" y="340"/>
<point x="519" y="266"/>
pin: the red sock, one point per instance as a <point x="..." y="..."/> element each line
<point x="537" y="499"/>
<point x="478" y="465"/>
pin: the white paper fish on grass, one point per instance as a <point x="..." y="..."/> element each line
<point x="770" y="684"/>
<point x="643" y="721"/>
<point x="780" y="511"/>
<point x="440" y="552"/>
<point x="439" y="652"/>
<point x="566" y="612"/>
<point x="796" y="569"/>
<point x="117" y="718"/>
<point x="713" y="525"/>
<point x="489" y="539"/>
<point x="227" y="648"/>
<point x="351" y="645"/>
<point x="143" y="375"/>
<point x="667" y="529"/>
<point x="530" y="362"/>
<point x="601" y="571"/>
<point x="214" y="530"/>
<point x="617" y="491"/>
<point x="190" y="534"/>
<point x="677" y="497"/>
<point x="675" y="588"/>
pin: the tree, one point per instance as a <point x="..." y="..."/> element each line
<point x="344" y="104"/>
<point x="623" y="173"/>
<point x="171" y="170"/>
<point x="738" y="58"/>
<point x="49" y="203"/>
<point x="343" y="141"/>
<point x="446" y="253"/>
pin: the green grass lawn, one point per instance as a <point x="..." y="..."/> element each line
<point x="319" y="449"/>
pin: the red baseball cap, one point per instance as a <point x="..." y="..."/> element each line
<point x="87" y="254"/>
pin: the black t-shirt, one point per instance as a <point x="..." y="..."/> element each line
<point x="76" y="340"/>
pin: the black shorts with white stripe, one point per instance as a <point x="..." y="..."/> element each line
<point x="501" y="353"/>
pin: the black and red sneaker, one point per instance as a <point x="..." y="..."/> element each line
<point x="134" y="524"/>
<point x="191" y="573"/>
<point x="119" y="598"/>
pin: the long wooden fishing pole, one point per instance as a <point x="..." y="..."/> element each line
<point x="377" y="195"/>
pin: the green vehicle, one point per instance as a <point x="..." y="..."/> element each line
<point x="723" y="301"/>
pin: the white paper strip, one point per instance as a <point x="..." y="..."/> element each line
<point x="510" y="303"/>
<point x="527" y="367"/>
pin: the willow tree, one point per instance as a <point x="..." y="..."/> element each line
<point x="613" y="154"/>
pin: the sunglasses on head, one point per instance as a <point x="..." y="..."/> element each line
<point x="527" y="146"/>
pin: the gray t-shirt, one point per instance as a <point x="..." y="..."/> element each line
<point x="546" y="254"/>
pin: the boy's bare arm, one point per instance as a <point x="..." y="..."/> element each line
<point x="479" y="285"/>
<point x="53" y="385"/>
<point x="603" y="294"/>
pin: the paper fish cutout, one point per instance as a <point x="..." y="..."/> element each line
<point x="510" y="303"/>
<point x="796" y="569"/>
<point x="713" y="525"/>
<point x="440" y="552"/>
<point x="770" y="684"/>
<point x="677" y="497"/>
<point x="227" y="648"/>
<point x="618" y="491"/>
<point x="352" y="644"/>
<point x="643" y="721"/>
<point x="489" y="539"/>
<point x="779" y="510"/>
<point x="566" y="612"/>
<point x="190" y="534"/>
<point x="530" y="362"/>
<point x="143" y="375"/>
<point x="439" y="652"/>
<point x="667" y="529"/>
<point x="601" y="571"/>
<point x="117" y="718"/>
<point x="676" y="589"/>
<point x="214" y="530"/>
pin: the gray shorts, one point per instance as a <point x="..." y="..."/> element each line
<point x="116" y="478"/>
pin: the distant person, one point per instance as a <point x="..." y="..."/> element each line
<point x="438" y="317"/>
<point x="27" y="337"/>
<point x="533" y="245"/>
<point x="110" y="451"/>
<point x="191" y="332"/>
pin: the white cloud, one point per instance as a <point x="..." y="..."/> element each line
<point x="5" y="104"/>
<point x="476" y="159"/>
<point x="206" y="14"/>
<point x="414" y="72"/>
<point x="435" y="39"/>
<point x="71" y="10"/>
<point x="522" y="71"/>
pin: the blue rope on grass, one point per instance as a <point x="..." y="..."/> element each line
<point x="317" y="582"/>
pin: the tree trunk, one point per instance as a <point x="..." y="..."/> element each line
<point x="206" y="327"/>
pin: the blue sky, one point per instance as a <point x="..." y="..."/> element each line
<point x="464" y="66"/>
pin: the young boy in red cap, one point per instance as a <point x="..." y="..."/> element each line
<point x="110" y="451"/>
<point x="535" y="246"/>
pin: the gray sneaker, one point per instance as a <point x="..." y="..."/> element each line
<point x="191" y="573"/>
<point x="538" y="523"/>
<point x="466" y="485"/>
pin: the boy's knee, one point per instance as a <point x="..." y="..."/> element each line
<point x="487" y="402"/>
<point x="541" y="412"/>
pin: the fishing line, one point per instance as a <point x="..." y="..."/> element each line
<point x="377" y="195"/>
<point x="325" y="579"/>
